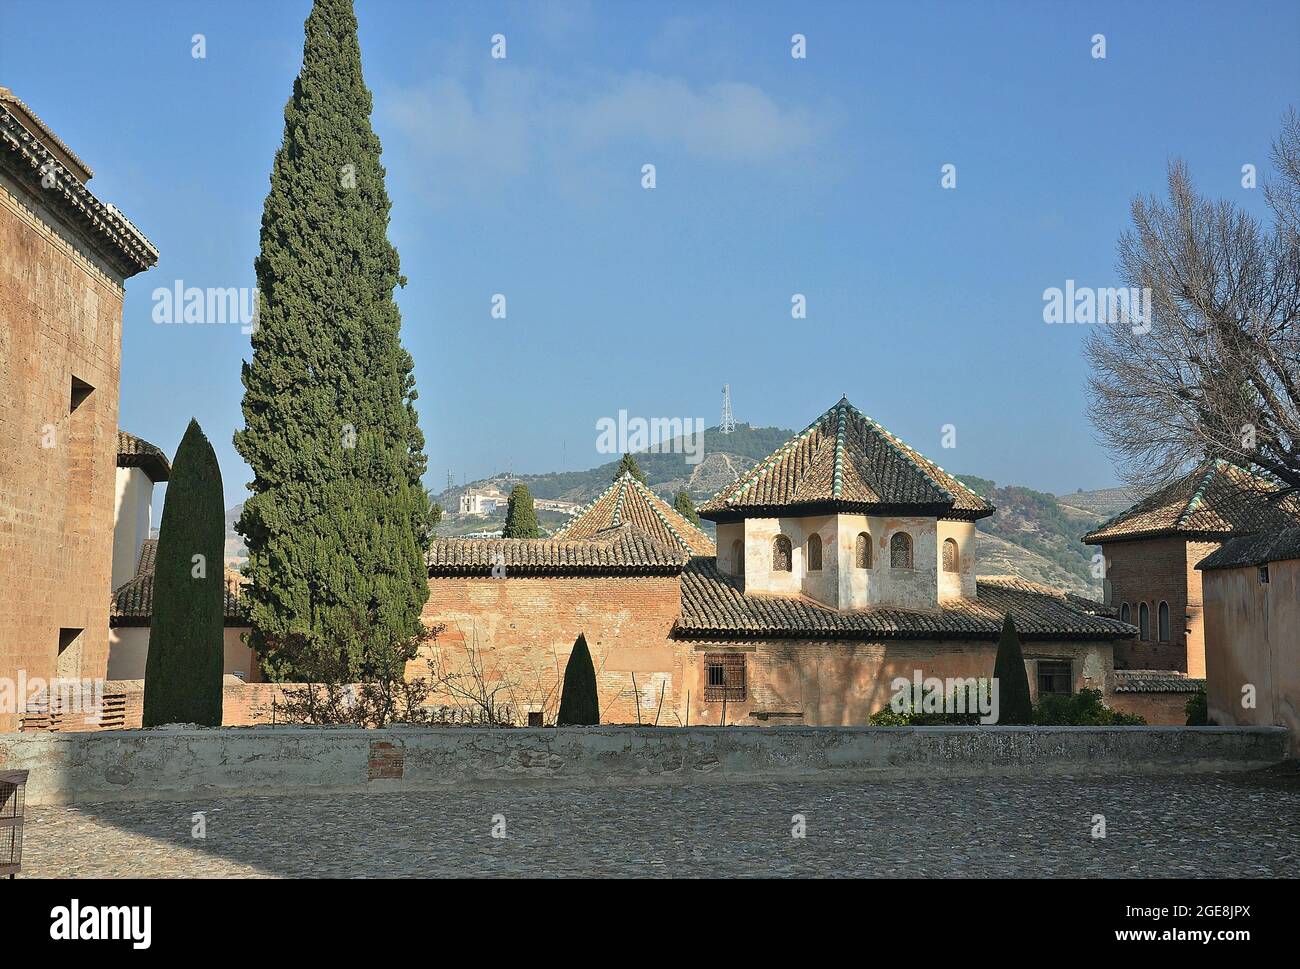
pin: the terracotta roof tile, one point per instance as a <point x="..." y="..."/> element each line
<point x="132" y="603"/>
<point x="1154" y="681"/>
<point x="714" y="604"/>
<point x="1218" y="499"/>
<point x="1253" y="550"/>
<point x="135" y="452"/>
<point x="628" y="500"/>
<point x="846" y="461"/>
<point x="623" y="550"/>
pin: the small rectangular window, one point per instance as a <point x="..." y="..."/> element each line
<point x="725" y="676"/>
<point x="1055" y="677"/>
<point x="534" y="718"/>
<point x="1263" y="574"/>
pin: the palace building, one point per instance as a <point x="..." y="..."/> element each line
<point x="844" y="559"/>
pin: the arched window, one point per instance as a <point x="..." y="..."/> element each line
<point x="1144" y="621"/>
<point x="900" y="551"/>
<point x="862" y="551"/>
<point x="1162" y="615"/>
<point x="950" y="563"/>
<point x="781" y="554"/>
<point x="1124" y="614"/>
<point x="737" y="557"/>
<point x="814" y="553"/>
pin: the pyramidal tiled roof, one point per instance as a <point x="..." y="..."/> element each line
<point x="628" y="500"/>
<point x="1217" y="499"/>
<point x="846" y="461"/>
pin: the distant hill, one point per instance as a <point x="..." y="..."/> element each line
<point x="1104" y="503"/>
<point x="1033" y="534"/>
<point x="1042" y="526"/>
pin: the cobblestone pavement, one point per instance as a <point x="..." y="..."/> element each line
<point x="1231" y="825"/>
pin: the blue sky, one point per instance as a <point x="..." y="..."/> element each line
<point x="775" y="176"/>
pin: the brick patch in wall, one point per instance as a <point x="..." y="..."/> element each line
<point x="387" y="762"/>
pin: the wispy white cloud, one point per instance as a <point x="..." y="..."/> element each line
<point x="515" y="123"/>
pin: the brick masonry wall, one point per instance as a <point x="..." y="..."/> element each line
<point x="523" y="629"/>
<point x="60" y="317"/>
<point x="1153" y="571"/>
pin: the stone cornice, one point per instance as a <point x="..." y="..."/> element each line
<point x="28" y="160"/>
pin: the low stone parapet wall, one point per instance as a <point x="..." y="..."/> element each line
<point x="189" y="763"/>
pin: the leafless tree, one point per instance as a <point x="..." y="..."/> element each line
<point x="1215" y="370"/>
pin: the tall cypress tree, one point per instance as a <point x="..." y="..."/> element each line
<point x="1014" y="703"/>
<point x="337" y="524"/>
<point x="521" y="516"/>
<point x="182" y="676"/>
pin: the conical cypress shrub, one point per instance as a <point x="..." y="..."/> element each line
<point x="521" y="517"/>
<point x="1014" y="704"/>
<point x="182" y="679"/>
<point x="579" y="704"/>
<point x="337" y="525"/>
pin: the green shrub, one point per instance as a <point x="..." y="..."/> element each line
<point x="1082" y="709"/>
<point x="1198" y="710"/>
<point x="910" y="716"/>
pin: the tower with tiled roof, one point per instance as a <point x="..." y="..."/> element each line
<point x="1151" y="550"/>
<point x="847" y="515"/>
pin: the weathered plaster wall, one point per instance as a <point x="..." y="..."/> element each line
<point x="841" y="683"/>
<point x="133" y="502"/>
<point x="959" y="584"/>
<point x="1252" y="636"/>
<point x="128" y="653"/>
<point x="184" y="764"/>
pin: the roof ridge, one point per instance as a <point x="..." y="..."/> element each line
<point x="586" y="508"/>
<point x="771" y="458"/>
<point x="651" y="501"/>
<point x="1198" y="495"/>
<point x="903" y="450"/>
<point x="837" y="481"/>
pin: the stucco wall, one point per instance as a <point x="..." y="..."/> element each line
<point x="60" y="317"/>
<point x="1252" y="637"/>
<point x="839" y="683"/>
<point x="128" y="653"/>
<point x="184" y="764"/>
<point x="134" y="509"/>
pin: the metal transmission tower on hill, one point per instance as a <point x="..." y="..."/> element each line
<point x="728" y="419"/>
<point x="451" y="480"/>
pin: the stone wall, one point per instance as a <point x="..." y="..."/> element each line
<point x="188" y="764"/>
<point x="60" y="319"/>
